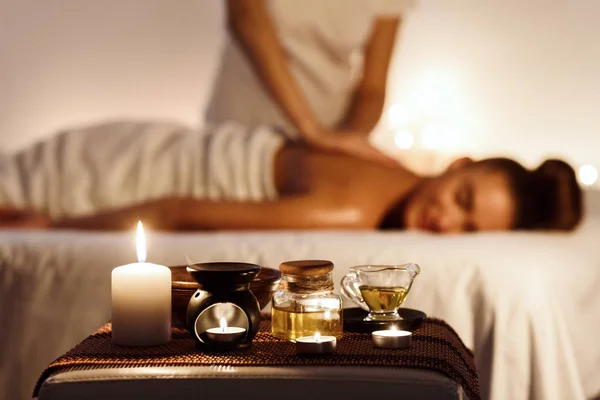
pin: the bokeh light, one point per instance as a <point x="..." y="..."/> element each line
<point x="404" y="139"/>
<point x="588" y="174"/>
<point x="398" y="115"/>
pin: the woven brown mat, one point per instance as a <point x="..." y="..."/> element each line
<point x="436" y="347"/>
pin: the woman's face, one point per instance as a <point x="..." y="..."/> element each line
<point x="467" y="197"/>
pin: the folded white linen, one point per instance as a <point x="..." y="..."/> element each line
<point x="114" y="164"/>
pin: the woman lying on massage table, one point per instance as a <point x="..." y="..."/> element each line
<point x="329" y="191"/>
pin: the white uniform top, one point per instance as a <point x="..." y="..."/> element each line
<point x="323" y="40"/>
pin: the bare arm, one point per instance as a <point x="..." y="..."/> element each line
<point x="251" y="24"/>
<point x="369" y="98"/>
<point x="253" y="27"/>
<point x="16" y="218"/>
<point x="190" y="214"/>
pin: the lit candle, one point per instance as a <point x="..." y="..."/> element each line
<point x="141" y="301"/>
<point x="224" y="333"/>
<point x="392" y="338"/>
<point x="316" y="345"/>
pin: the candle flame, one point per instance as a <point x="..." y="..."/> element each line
<point x="317" y="337"/>
<point x="393" y="328"/>
<point x="223" y="324"/>
<point x="140" y="243"/>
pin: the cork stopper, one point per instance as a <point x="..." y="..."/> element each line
<point x="306" y="267"/>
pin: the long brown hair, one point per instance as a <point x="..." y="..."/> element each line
<point x="547" y="198"/>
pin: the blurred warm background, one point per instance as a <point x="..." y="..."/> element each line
<point x="518" y="77"/>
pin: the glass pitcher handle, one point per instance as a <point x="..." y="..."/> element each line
<point x="349" y="289"/>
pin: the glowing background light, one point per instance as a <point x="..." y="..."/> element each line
<point x="438" y="136"/>
<point x="403" y="139"/>
<point x="588" y="174"/>
<point x="431" y="139"/>
<point x="437" y="91"/>
<point x="398" y="115"/>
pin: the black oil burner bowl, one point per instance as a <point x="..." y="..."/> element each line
<point x="223" y="295"/>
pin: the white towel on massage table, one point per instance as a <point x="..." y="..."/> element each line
<point x="116" y="164"/>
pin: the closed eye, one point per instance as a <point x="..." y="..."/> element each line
<point x="470" y="227"/>
<point x="464" y="197"/>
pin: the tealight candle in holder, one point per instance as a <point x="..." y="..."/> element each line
<point x="392" y="338"/>
<point x="225" y="334"/>
<point x="316" y="344"/>
<point x="223" y="314"/>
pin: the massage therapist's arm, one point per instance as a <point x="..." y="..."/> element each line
<point x="190" y="214"/>
<point x="252" y="26"/>
<point x="369" y="97"/>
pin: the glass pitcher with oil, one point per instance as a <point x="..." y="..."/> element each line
<point x="379" y="289"/>
<point x="305" y="303"/>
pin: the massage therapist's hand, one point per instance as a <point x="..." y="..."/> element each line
<point x="352" y="143"/>
<point x="13" y="218"/>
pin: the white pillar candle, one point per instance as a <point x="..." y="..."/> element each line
<point x="141" y="301"/>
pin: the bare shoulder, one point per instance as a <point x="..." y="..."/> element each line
<point x="342" y="191"/>
<point x="363" y="192"/>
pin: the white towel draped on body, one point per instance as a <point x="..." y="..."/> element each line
<point x="111" y="165"/>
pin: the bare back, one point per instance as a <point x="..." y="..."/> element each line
<point x="344" y="183"/>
